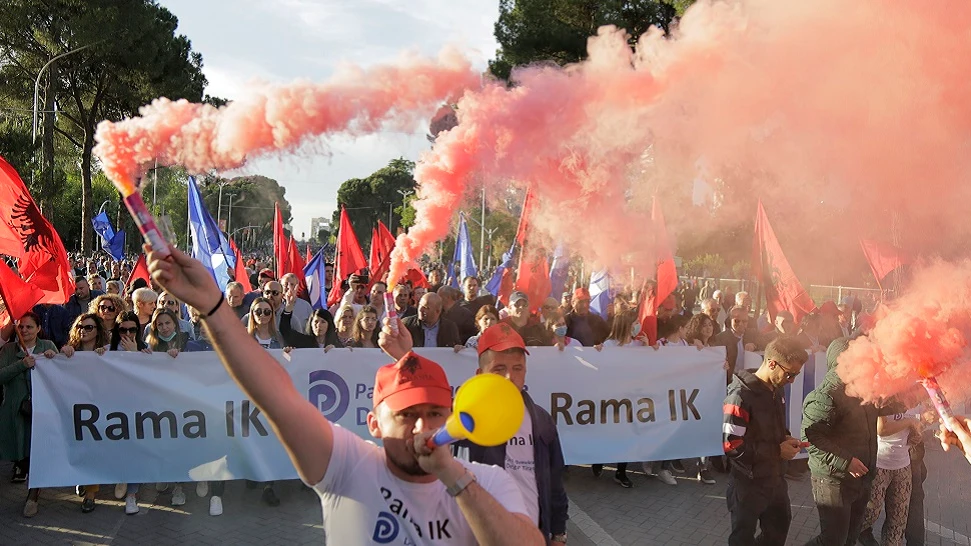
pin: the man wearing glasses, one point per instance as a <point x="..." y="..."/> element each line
<point x="758" y="445"/>
<point x="273" y="291"/>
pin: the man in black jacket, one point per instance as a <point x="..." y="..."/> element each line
<point x="736" y="339"/>
<point x="429" y="328"/>
<point x="843" y="456"/>
<point x="533" y="456"/>
<point x="758" y="445"/>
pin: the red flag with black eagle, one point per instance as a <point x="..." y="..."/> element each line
<point x="27" y="235"/>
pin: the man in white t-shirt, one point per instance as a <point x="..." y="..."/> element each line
<point x="403" y="493"/>
<point x="533" y="456"/>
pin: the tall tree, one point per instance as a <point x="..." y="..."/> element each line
<point x="375" y="197"/>
<point x="130" y="54"/>
<point x="556" y="31"/>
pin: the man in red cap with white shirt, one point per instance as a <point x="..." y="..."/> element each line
<point x="533" y="457"/>
<point x="401" y="493"/>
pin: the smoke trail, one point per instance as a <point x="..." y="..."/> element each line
<point x="280" y="118"/>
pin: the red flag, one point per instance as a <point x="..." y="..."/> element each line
<point x="26" y="234"/>
<point x="385" y="245"/>
<point x="417" y="278"/>
<point x="296" y="267"/>
<point x="374" y="258"/>
<point x="310" y="256"/>
<point x="524" y="219"/>
<point x="18" y="296"/>
<point x="140" y="271"/>
<point x="349" y="258"/>
<point x="769" y="265"/>
<point x="239" y="273"/>
<point x="883" y="259"/>
<point x="533" y="279"/>
<point x="281" y="250"/>
<point x="654" y="293"/>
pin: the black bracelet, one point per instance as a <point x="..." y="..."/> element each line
<point x="222" y="298"/>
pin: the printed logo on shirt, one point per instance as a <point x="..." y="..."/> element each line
<point x="436" y="529"/>
<point x="329" y="394"/>
<point x="385" y="529"/>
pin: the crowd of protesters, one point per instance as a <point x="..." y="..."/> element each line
<point x="863" y="458"/>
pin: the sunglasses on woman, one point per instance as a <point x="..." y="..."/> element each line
<point x="132" y="330"/>
<point x="263" y="312"/>
<point x="108" y="308"/>
<point x="85" y="327"/>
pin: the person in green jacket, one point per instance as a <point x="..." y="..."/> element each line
<point x="17" y="359"/>
<point x="842" y="433"/>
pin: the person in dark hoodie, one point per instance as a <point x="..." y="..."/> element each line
<point x="758" y="445"/>
<point x="842" y="433"/>
<point x="533" y="457"/>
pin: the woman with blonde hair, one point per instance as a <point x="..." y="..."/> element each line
<point x="262" y="324"/>
<point x="164" y="335"/>
<point x="345" y="324"/>
<point x="108" y="307"/>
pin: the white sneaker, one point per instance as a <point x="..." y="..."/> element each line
<point x="120" y="490"/>
<point x="131" y="505"/>
<point x="178" y="496"/>
<point x="202" y="489"/>
<point x="216" y="506"/>
<point x="667" y="477"/>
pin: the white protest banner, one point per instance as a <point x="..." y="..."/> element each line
<point x="137" y="418"/>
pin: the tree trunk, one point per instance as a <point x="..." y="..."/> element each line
<point x="86" y="192"/>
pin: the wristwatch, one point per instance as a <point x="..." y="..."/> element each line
<point x="559" y="538"/>
<point x="461" y="483"/>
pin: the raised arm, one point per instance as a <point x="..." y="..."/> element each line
<point x="304" y="431"/>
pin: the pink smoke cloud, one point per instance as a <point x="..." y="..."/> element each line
<point x="923" y="333"/>
<point x="280" y="118"/>
<point x="837" y="123"/>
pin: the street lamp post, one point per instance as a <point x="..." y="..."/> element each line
<point x="404" y="196"/>
<point x="482" y="231"/>
<point x="41" y="73"/>
<point x="219" y="207"/>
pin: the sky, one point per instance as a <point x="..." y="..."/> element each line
<point x="242" y="41"/>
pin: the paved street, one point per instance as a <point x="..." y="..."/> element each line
<point x="602" y="513"/>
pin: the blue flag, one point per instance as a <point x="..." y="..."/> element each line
<point x="209" y="245"/>
<point x="463" y="262"/>
<point x="496" y="281"/>
<point x="316" y="280"/>
<point x="600" y="293"/>
<point x="111" y="242"/>
<point x="559" y="270"/>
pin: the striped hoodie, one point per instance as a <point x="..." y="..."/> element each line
<point x="753" y="427"/>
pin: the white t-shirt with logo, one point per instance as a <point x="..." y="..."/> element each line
<point x="521" y="465"/>
<point x="893" y="451"/>
<point x="364" y="503"/>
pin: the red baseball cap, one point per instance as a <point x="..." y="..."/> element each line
<point x="500" y="337"/>
<point x="410" y="381"/>
<point x="581" y="294"/>
<point x="267" y="273"/>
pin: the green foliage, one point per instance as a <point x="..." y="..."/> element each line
<point x="710" y="265"/>
<point x="556" y="31"/>
<point x="253" y="199"/>
<point x="370" y="199"/>
<point x="127" y="55"/>
<point x="742" y="269"/>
